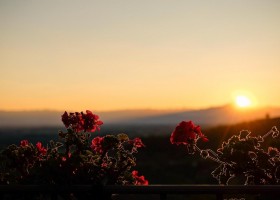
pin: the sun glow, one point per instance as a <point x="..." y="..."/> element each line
<point x="243" y="101"/>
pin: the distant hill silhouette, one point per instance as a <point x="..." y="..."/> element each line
<point x="30" y="118"/>
<point x="227" y="114"/>
<point x="53" y="118"/>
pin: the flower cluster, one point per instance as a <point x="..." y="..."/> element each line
<point x="76" y="160"/>
<point x="140" y="180"/>
<point x="241" y="157"/>
<point x="87" y="122"/>
<point x="188" y="134"/>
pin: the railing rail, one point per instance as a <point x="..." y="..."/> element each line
<point x="104" y="192"/>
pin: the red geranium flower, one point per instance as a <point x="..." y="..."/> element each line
<point x="96" y="144"/>
<point x="82" y="122"/>
<point x="91" y="121"/>
<point x="139" y="180"/>
<point x="137" y="142"/>
<point x="186" y="133"/>
<point x="64" y="158"/>
<point x="24" y="143"/>
<point x="40" y="148"/>
<point x="73" y="119"/>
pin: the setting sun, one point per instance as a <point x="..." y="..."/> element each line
<point x="243" y="101"/>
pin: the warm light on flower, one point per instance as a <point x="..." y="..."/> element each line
<point x="24" y="143"/>
<point x="137" y="142"/>
<point x="96" y="144"/>
<point x="87" y="122"/>
<point x="78" y="159"/>
<point x="242" y="156"/>
<point x="40" y="148"/>
<point x="186" y="133"/>
<point x="139" y="180"/>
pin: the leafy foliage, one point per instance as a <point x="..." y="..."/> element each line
<point x="242" y="157"/>
<point x="76" y="159"/>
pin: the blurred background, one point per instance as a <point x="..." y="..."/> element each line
<point x="142" y="66"/>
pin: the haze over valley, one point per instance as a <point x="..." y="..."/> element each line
<point x="212" y="116"/>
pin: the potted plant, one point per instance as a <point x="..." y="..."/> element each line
<point x="74" y="160"/>
<point x="242" y="157"/>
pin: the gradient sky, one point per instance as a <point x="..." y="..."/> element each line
<point x="126" y="54"/>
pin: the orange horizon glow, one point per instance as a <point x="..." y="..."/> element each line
<point x="138" y="54"/>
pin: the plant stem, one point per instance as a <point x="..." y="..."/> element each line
<point x="210" y="157"/>
<point x="267" y="134"/>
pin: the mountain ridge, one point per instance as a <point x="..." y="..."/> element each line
<point x="227" y="114"/>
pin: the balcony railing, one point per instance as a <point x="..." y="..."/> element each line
<point x="162" y="191"/>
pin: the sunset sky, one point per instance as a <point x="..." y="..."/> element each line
<point x="126" y="54"/>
